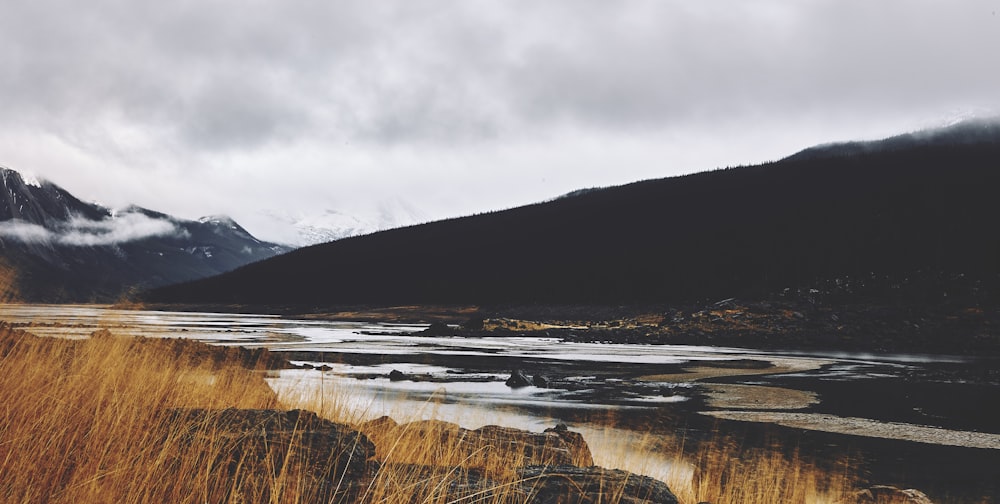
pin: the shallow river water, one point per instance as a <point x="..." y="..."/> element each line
<point x="467" y="374"/>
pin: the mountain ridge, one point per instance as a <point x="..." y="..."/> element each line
<point x="967" y="132"/>
<point x="57" y="248"/>
<point x="871" y="220"/>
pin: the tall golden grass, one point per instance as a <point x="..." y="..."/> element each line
<point x="83" y="422"/>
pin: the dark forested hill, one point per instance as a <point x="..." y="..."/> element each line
<point x="863" y="218"/>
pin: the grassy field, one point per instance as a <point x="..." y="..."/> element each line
<point x="84" y="421"/>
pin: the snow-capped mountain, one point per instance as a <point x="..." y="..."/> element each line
<point x="303" y="229"/>
<point x="55" y="247"/>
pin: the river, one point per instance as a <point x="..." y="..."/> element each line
<point x="935" y="400"/>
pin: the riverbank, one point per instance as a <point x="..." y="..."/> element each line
<point x="98" y="433"/>
<point x="661" y="389"/>
<point x="950" y="328"/>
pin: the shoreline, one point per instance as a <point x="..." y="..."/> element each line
<point x="767" y="324"/>
<point x="724" y="376"/>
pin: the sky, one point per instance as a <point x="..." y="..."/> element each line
<point x="273" y="111"/>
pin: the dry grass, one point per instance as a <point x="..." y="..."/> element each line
<point x="729" y="473"/>
<point x="82" y="421"/>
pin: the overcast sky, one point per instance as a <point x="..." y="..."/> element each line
<point x="249" y="107"/>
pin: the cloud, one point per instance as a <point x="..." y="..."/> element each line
<point x="25" y="232"/>
<point x="80" y="232"/>
<point x="221" y="75"/>
<point x="201" y="107"/>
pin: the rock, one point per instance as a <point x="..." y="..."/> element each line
<point x="562" y="447"/>
<point x="518" y="379"/>
<point x="592" y="485"/>
<point x="244" y="443"/>
<point x="578" y="447"/>
<point x="885" y="493"/>
<point x="540" y="381"/>
<point x="549" y="447"/>
<point x="475" y="323"/>
<point x="446" y="484"/>
<point x="383" y="422"/>
<point x="535" y="484"/>
<point x="396" y="375"/>
<point x="438" y="329"/>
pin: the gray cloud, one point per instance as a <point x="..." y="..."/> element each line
<point x="81" y="232"/>
<point x="520" y="100"/>
<point x="223" y="74"/>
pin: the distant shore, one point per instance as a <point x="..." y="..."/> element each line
<point x="943" y="329"/>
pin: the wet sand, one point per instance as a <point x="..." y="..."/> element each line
<point x="757" y="397"/>
<point x="774" y="365"/>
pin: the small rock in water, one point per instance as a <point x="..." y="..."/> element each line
<point x="540" y="381"/>
<point x="518" y="379"/>
<point x="438" y="329"/>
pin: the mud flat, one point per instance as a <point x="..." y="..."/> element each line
<point x="768" y="366"/>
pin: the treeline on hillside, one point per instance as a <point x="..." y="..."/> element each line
<point x="872" y="221"/>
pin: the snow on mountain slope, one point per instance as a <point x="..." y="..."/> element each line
<point x="304" y="229"/>
<point x="58" y="248"/>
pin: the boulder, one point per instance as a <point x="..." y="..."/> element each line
<point x="438" y="329"/>
<point x="383" y="422"/>
<point x="885" y="493"/>
<point x="549" y="447"/>
<point x="535" y="484"/>
<point x="396" y="375"/>
<point x="579" y="450"/>
<point x="592" y="485"/>
<point x="249" y="443"/>
<point x="558" y="446"/>
<point x="430" y="483"/>
<point x="518" y="379"/>
<point x="540" y="381"/>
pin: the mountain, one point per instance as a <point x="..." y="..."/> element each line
<point x="56" y="248"/>
<point x="970" y="132"/>
<point x="908" y="216"/>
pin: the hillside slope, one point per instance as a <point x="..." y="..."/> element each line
<point x="56" y="248"/>
<point x="862" y="219"/>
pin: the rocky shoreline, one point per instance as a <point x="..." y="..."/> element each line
<point x="335" y="455"/>
<point x="342" y="460"/>
<point x="959" y="329"/>
<point x="801" y="321"/>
